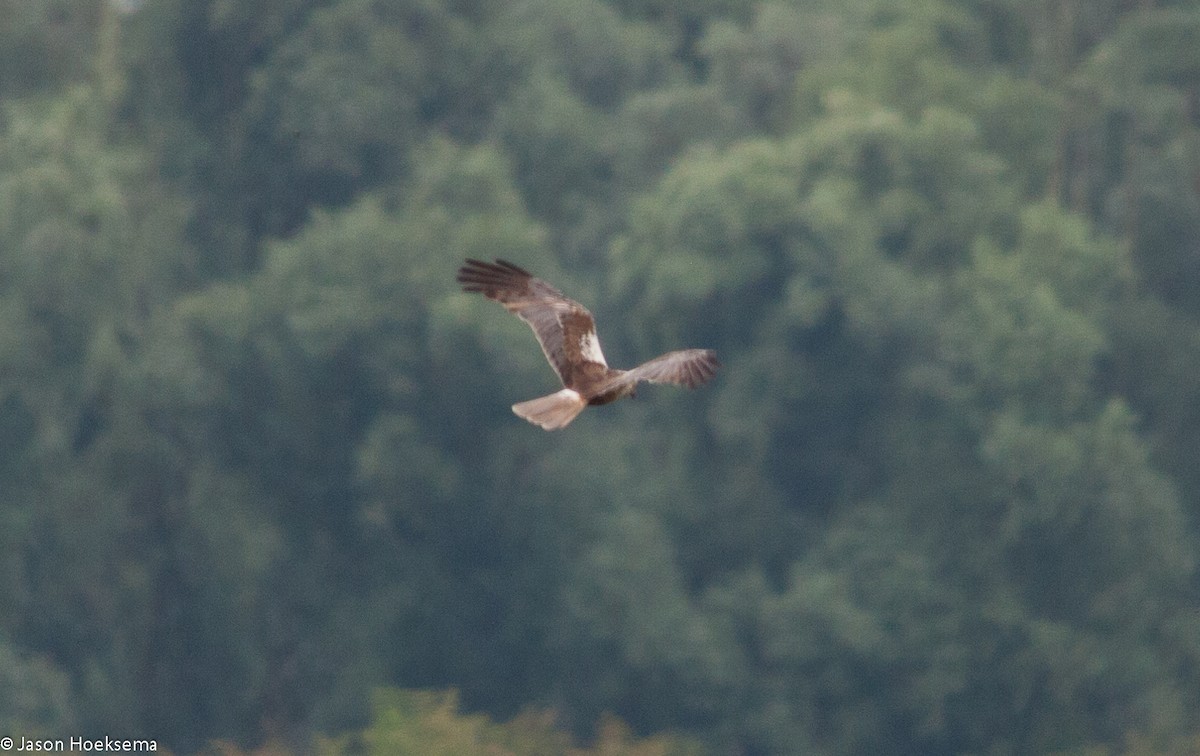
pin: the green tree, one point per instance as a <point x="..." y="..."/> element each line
<point x="257" y="457"/>
<point x="46" y="46"/>
<point x="36" y="693"/>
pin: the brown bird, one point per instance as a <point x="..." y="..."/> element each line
<point x="567" y="333"/>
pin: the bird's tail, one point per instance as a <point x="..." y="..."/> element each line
<point x="553" y="411"/>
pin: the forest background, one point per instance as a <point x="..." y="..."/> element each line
<point x="259" y="481"/>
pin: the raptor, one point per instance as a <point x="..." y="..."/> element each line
<point x="567" y="334"/>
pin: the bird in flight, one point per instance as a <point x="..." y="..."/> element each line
<point x="567" y="333"/>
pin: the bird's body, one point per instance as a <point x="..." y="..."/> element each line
<point x="567" y="334"/>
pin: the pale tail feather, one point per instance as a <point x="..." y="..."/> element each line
<point x="554" y="411"/>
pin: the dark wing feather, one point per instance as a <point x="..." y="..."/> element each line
<point x="562" y="326"/>
<point x="687" y="367"/>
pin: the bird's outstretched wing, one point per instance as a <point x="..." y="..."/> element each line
<point x="687" y="367"/>
<point x="563" y="327"/>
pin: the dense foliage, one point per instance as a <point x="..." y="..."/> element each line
<point x="260" y="486"/>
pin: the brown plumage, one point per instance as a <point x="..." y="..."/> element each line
<point x="567" y="333"/>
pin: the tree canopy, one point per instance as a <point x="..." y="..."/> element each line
<point x="261" y="491"/>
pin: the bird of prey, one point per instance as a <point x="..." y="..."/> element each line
<point x="567" y="333"/>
